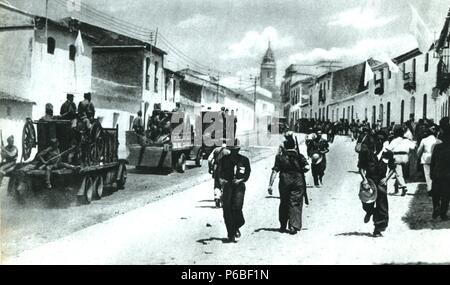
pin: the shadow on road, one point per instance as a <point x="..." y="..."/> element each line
<point x="268" y="230"/>
<point x="272" y="197"/>
<point x="206" y="241"/>
<point x="356" y="234"/>
<point x="353" y="171"/>
<point x="206" y="201"/>
<point x="420" y="210"/>
<point x="207" y="207"/>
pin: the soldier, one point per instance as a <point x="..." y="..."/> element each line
<point x="48" y="113"/>
<point x="234" y="171"/>
<point x="138" y="125"/>
<point x="292" y="167"/>
<point x="86" y="110"/>
<point x="50" y="159"/>
<point x="9" y="158"/>
<point x="213" y="162"/>
<point x="317" y="151"/>
<point x="69" y="109"/>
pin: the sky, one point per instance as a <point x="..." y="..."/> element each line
<point x="231" y="36"/>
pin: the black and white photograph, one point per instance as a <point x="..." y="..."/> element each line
<point x="224" y="133"/>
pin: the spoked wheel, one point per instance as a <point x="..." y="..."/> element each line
<point x="96" y="141"/>
<point x="28" y="139"/>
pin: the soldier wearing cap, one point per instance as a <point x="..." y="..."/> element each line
<point x="69" y="109"/>
<point x="9" y="158"/>
<point x="233" y="170"/>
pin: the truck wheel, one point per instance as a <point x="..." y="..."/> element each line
<point x="199" y="159"/>
<point x="89" y="189"/>
<point x="122" y="177"/>
<point x="99" y="187"/>
<point x="181" y="163"/>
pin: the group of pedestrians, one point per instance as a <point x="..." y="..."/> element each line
<point x="384" y="153"/>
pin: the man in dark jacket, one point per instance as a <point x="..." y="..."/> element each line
<point x="68" y="109"/>
<point x="440" y="175"/>
<point x="234" y="170"/>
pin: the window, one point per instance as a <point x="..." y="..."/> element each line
<point x="51" y="45"/>
<point x="72" y="52"/>
<point x="115" y="119"/>
<point x="388" y="115"/>
<point x="427" y="61"/>
<point x="381" y="118"/>
<point x="425" y="106"/>
<point x="147" y="74"/>
<point x="264" y="107"/>
<point x="402" y="112"/>
<point x="413" y="106"/>
<point x="366" y="114"/>
<point x="156" y="76"/>
<point x="374" y="115"/>
<point x="389" y="74"/>
<point x="174" y="86"/>
<point x="414" y="69"/>
<point x="8" y="111"/>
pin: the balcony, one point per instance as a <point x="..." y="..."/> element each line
<point x="410" y="81"/>
<point x="379" y="87"/>
<point x="443" y="77"/>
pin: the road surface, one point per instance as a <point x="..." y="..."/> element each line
<point x="185" y="229"/>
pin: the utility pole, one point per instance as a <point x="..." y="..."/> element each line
<point x="218" y="88"/>
<point x="255" y="79"/>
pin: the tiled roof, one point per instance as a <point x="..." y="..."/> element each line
<point x="8" y="97"/>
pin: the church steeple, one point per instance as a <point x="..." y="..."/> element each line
<point x="269" y="70"/>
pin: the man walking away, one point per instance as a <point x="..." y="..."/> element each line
<point x="440" y="175"/>
<point x="425" y="153"/>
<point x="234" y="171"/>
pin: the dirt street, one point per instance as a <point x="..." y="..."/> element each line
<point x="185" y="228"/>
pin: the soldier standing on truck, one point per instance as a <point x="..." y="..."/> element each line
<point x="213" y="162"/>
<point x="86" y="110"/>
<point x="69" y="110"/>
<point x="138" y="125"/>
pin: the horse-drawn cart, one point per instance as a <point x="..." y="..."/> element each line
<point x="91" y="157"/>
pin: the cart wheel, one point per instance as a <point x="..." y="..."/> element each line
<point x="199" y="159"/>
<point x="181" y="163"/>
<point x="28" y="139"/>
<point x="123" y="177"/>
<point x="99" y="187"/>
<point x="89" y="189"/>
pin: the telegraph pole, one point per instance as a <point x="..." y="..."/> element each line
<point x="256" y="79"/>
